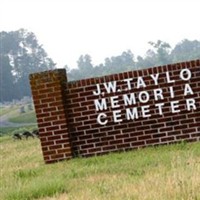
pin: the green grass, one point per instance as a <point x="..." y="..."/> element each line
<point x="4" y="110"/>
<point x="11" y="130"/>
<point x="28" y="117"/>
<point x="161" y="173"/>
<point x="6" y="130"/>
<point x="14" y="115"/>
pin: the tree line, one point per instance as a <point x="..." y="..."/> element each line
<point x="21" y="54"/>
<point x="160" y="53"/>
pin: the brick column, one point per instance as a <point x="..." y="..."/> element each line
<point x="48" y="92"/>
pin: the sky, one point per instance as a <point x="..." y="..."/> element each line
<point x="68" y="29"/>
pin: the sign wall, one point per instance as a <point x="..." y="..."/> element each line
<point x="134" y="109"/>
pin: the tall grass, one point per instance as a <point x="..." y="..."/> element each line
<point x="163" y="173"/>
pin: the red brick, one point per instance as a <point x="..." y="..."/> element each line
<point x="42" y="115"/>
<point x="125" y="146"/>
<point x="59" y="122"/>
<point x="152" y="141"/>
<point x="85" y="137"/>
<point x="94" y="150"/>
<point x="137" y="144"/>
<point x="53" y="118"/>
<point x="55" y="147"/>
<point x="137" y="133"/>
<point x="120" y="141"/>
<point x="49" y="109"/>
<point x="62" y="151"/>
<point x="193" y="125"/>
<point x="51" y="128"/>
<point x="45" y="124"/>
<point x="45" y="90"/>
<point x="60" y="132"/>
<point x="87" y="146"/>
<point x="48" y="153"/>
<point x="47" y="143"/>
<point x="112" y="147"/>
<point x="46" y="133"/>
<point x="159" y="135"/>
<point x="129" y="140"/>
<point x="57" y="156"/>
<point x="165" y="129"/>
<point x="122" y="136"/>
<point x="189" y="130"/>
<point x="178" y="137"/>
<point x="151" y="131"/>
<point x="144" y="137"/>
<point x="54" y="137"/>
<point x="174" y="133"/>
<point x="167" y="139"/>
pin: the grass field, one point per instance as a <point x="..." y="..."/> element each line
<point x="12" y="114"/>
<point x="161" y="173"/>
<point x="21" y="121"/>
<point x="11" y="130"/>
<point x="4" y="110"/>
<point x="15" y="116"/>
<point x="28" y="117"/>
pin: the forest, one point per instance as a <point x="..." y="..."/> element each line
<point x="21" y="54"/>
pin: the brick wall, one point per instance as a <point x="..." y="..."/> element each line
<point x="159" y="105"/>
<point x="48" y="91"/>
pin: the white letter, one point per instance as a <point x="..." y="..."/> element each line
<point x="128" y="81"/>
<point x="100" y="105"/>
<point x="145" y="111"/>
<point x="171" y="89"/>
<point x="155" y="78"/>
<point x="111" y="86"/>
<point x="168" y="78"/>
<point x="146" y="95"/>
<point x="188" y="73"/>
<point x="191" y="104"/>
<point x="188" y="90"/>
<point x="131" y="114"/>
<point x="129" y="101"/>
<point x="159" y="105"/>
<point x="98" y="90"/>
<point x="174" y="106"/>
<point x="114" y="102"/>
<point x="158" y="94"/>
<point x="116" y="115"/>
<point x="101" y="115"/>
<point x="140" y="82"/>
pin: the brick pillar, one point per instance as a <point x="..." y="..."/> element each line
<point x="48" y="92"/>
